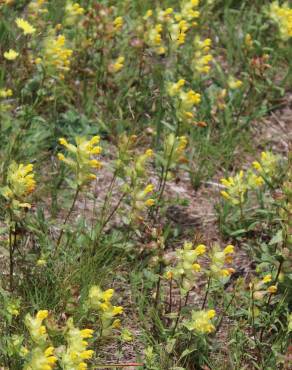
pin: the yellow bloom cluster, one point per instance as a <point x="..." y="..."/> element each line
<point x="282" y="15"/>
<point x="118" y="23"/>
<point x="237" y="186"/>
<point x="174" y="148"/>
<point x="72" y="11"/>
<point x="41" y="359"/>
<point x="202" y="57"/>
<point x="201" y="321"/>
<point x="154" y="39"/>
<point x="5" y="93"/>
<point x="234" y="83"/>
<point x="259" y="289"/>
<point x="174" y="24"/>
<point x="100" y="301"/>
<point x="268" y="165"/>
<point x="187" y="265"/>
<point x="80" y="159"/>
<point x="184" y="101"/>
<point x="218" y="259"/>
<point x="56" y="56"/>
<point x="11" y="54"/>
<point x="36" y="7"/>
<point x="20" y="183"/>
<point x="35" y="326"/>
<point x="25" y="26"/>
<point x="76" y="352"/>
<point x="117" y="65"/>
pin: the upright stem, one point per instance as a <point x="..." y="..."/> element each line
<point x="67" y="218"/>
<point x="207" y="292"/>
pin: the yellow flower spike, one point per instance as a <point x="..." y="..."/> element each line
<point x="26" y="27"/>
<point x="11" y="54"/>
<point x="82" y="366"/>
<point x="229" y="249"/>
<point x="272" y="289"/>
<point x="201" y="321"/>
<point x="267" y="279"/>
<point x="200" y="249"/>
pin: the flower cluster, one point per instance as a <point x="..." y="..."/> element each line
<point x="76" y="351"/>
<point x="187" y="265"/>
<point x="202" y="57"/>
<point x="11" y="54"/>
<point x="201" y="322"/>
<point x="41" y="359"/>
<point x="172" y="23"/>
<point x="5" y="93"/>
<point x="56" y="56"/>
<point x="259" y="288"/>
<point x="117" y="65"/>
<point x="25" y="26"/>
<point x="80" y="159"/>
<point x="36" y="328"/>
<point x="218" y="259"/>
<point x="267" y="166"/>
<point x="184" y="101"/>
<point x="237" y="186"/>
<point x="282" y="15"/>
<point x="100" y="301"/>
<point x="20" y="183"/>
<point x="72" y="11"/>
<point x="174" y="148"/>
<point x="262" y="171"/>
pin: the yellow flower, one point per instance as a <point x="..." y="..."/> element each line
<point x="117" y="65"/>
<point x="234" y="83"/>
<point x="149" y="202"/>
<point x="11" y="54"/>
<point x="196" y="267"/>
<point x="282" y="15"/>
<point x="56" y="56"/>
<point x="42" y="314"/>
<point x="86" y="333"/>
<point x="201" y="321"/>
<point x="272" y="289"/>
<point x="267" y="278"/>
<point x="118" y="23"/>
<point x="200" y="249"/>
<point x="5" y="93"/>
<point x="81" y="158"/>
<point x="26" y="27"/>
<point x="169" y="275"/>
<point x="229" y="249"/>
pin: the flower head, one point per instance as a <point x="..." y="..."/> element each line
<point x="26" y="27"/>
<point x="10" y="54"/>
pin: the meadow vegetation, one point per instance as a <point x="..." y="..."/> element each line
<point x="105" y="108"/>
